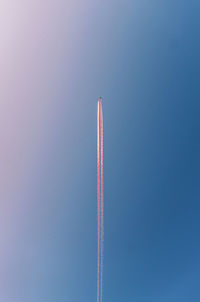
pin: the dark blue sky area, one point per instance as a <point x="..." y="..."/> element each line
<point x="150" y="81"/>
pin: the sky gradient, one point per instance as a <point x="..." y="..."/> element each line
<point x="56" y="58"/>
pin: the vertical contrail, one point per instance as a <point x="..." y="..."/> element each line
<point x="100" y="201"/>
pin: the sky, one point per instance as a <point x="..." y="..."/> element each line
<point x="56" y="58"/>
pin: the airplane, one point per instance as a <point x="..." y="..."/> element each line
<point x="100" y="98"/>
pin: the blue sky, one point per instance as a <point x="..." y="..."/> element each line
<point x="143" y="58"/>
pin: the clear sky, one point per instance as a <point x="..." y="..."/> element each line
<point x="56" y="58"/>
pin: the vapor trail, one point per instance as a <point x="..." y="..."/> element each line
<point x="98" y="200"/>
<point x="102" y="199"/>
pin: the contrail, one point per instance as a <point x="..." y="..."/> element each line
<point x="100" y="201"/>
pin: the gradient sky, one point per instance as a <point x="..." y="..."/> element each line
<point x="56" y="58"/>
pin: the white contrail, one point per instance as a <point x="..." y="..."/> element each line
<point x="100" y="201"/>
